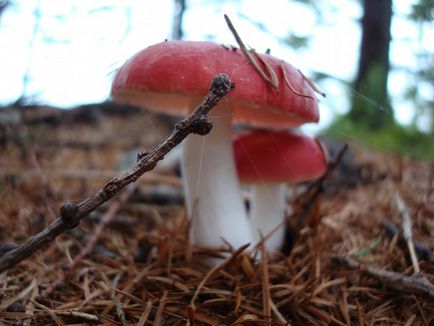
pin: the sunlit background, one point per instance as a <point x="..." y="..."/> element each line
<point x="64" y="53"/>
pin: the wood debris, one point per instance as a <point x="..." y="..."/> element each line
<point x="170" y="284"/>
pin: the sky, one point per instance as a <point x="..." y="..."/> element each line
<point x="71" y="55"/>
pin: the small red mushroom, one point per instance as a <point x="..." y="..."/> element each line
<point x="172" y="77"/>
<point x="268" y="160"/>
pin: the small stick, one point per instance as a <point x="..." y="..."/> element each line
<point x="107" y="217"/>
<point x="316" y="188"/>
<point x="416" y="284"/>
<point x="305" y="203"/>
<point x="407" y="230"/>
<point x="71" y="214"/>
<point x="423" y="251"/>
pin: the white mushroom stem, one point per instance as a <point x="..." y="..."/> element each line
<point x="212" y="190"/>
<point x="267" y="214"/>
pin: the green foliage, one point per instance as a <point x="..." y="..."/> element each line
<point x="365" y="112"/>
<point x="366" y="250"/>
<point x="424" y="107"/>
<point x="423" y="11"/>
<point x="297" y="42"/>
<point x="393" y="138"/>
<point x="311" y="3"/>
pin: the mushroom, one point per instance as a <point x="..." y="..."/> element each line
<point x="172" y="77"/>
<point x="268" y="160"/>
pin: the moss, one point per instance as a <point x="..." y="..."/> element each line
<point x="372" y="96"/>
<point x="393" y="138"/>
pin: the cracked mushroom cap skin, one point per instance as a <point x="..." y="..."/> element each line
<point x="278" y="156"/>
<point x="173" y="76"/>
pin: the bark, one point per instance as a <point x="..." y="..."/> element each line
<point x="177" y="32"/>
<point x="370" y="104"/>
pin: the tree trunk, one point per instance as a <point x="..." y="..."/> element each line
<point x="370" y="105"/>
<point x="180" y="6"/>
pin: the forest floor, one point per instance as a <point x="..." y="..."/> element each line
<point x="346" y="261"/>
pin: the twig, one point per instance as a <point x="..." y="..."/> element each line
<point x="316" y="187"/>
<point x="108" y="216"/>
<point x="407" y="230"/>
<point x="71" y="214"/>
<point x="423" y="251"/>
<point x="308" y="200"/>
<point x="318" y="184"/>
<point x="416" y="284"/>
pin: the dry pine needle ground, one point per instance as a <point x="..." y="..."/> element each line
<point x="142" y="269"/>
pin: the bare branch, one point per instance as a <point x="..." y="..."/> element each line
<point x="108" y="216"/>
<point x="407" y="231"/>
<point x="180" y="7"/>
<point x="71" y="214"/>
<point x="416" y="284"/>
<point x="316" y="188"/>
<point x="423" y="251"/>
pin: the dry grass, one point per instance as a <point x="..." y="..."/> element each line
<point x="144" y="271"/>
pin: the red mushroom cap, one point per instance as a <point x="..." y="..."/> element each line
<point x="172" y="76"/>
<point x="278" y="156"/>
